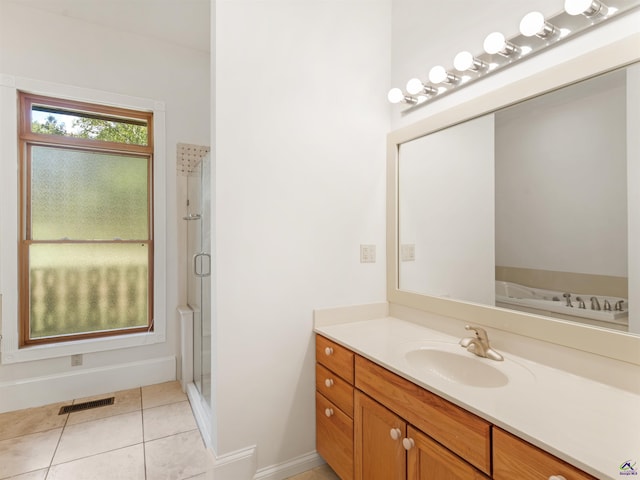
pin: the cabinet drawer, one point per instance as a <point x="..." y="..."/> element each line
<point x="515" y="458"/>
<point x="335" y="357"/>
<point x="334" y="437"/>
<point x="460" y="431"/>
<point x="335" y="389"/>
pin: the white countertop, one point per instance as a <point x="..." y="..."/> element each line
<point x="590" y="424"/>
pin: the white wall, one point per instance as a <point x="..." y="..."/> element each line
<point x="448" y="183"/>
<point x="561" y="180"/>
<point x="58" y="49"/>
<point x="301" y="119"/>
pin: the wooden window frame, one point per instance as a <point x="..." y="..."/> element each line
<point x="27" y="139"/>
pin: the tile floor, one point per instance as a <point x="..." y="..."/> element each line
<point x="318" y="473"/>
<point x="148" y="434"/>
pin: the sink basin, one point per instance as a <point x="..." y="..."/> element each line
<point x="457" y="367"/>
<point x="453" y="363"/>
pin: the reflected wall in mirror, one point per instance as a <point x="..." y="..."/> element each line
<point x="527" y="208"/>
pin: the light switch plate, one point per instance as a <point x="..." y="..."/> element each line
<point x="408" y="252"/>
<point x="367" y="254"/>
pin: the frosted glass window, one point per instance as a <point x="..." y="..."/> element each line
<point x="87" y="195"/>
<point x="86" y="246"/>
<point x="80" y="288"/>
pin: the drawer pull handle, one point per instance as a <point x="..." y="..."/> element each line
<point x="328" y="351"/>
<point x="408" y="443"/>
<point x="395" y="433"/>
<point x="328" y="412"/>
<point x="328" y="382"/>
<point x="557" y="477"/>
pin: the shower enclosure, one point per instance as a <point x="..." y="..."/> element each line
<point x="198" y="224"/>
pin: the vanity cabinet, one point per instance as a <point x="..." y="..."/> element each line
<point x="372" y="424"/>
<point x="387" y="448"/>
<point x="515" y="458"/>
<point x="410" y="433"/>
<point x="334" y="406"/>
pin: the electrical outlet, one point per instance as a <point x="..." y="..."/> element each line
<point x="76" y="360"/>
<point x="367" y="254"/>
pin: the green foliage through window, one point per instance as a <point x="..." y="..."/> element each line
<point x="77" y="125"/>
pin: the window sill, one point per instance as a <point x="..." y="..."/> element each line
<point x="74" y="347"/>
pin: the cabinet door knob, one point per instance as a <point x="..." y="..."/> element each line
<point x="328" y="412"/>
<point x="408" y="443"/>
<point x="328" y="382"/>
<point x="395" y="433"/>
<point x="557" y="477"/>
<point x="328" y="351"/>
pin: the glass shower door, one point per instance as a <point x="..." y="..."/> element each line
<point x="199" y="273"/>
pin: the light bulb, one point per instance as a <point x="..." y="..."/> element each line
<point x="466" y="61"/>
<point x="437" y="74"/>
<point x="414" y="86"/>
<point x="532" y="24"/>
<point x="395" y="95"/>
<point x="463" y="61"/>
<point x="585" y="7"/>
<point x="496" y="43"/>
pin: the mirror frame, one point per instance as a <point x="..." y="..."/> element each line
<point x="609" y="343"/>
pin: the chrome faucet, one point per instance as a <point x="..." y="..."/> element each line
<point x="567" y="296"/>
<point x="479" y="344"/>
<point x="607" y="305"/>
<point x="595" y="304"/>
<point x="580" y="302"/>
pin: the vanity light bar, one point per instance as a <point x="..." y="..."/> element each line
<point x="536" y="34"/>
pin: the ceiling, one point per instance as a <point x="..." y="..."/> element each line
<point x="181" y="22"/>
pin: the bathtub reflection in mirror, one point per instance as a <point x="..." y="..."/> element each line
<point x="526" y="208"/>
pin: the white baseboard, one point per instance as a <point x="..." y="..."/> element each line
<point x="290" y="468"/>
<point x="38" y="391"/>
<point x="239" y="465"/>
<point x="242" y="465"/>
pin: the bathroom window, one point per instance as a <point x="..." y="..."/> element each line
<point x="86" y="220"/>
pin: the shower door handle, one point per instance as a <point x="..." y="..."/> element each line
<point x="200" y="273"/>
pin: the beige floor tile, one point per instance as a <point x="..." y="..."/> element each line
<point x="99" y="436"/>
<point x="37" y="475"/>
<point x="31" y="420"/>
<point x="162" y="394"/>
<point x="168" y="420"/>
<point x="322" y="472"/>
<point x="177" y="457"/>
<point x="27" y="453"/>
<point x="123" y="464"/>
<point x="125" y="401"/>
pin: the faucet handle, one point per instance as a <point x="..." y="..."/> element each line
<point x="481" y="333"/>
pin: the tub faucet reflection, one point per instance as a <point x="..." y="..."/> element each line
<point x="479" y="344"/>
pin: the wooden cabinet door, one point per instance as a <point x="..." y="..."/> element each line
<point x="428" y="460"/>
<point x="379" y="454"/>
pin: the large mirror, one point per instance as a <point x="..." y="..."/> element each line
<point x="526" y="207"/>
